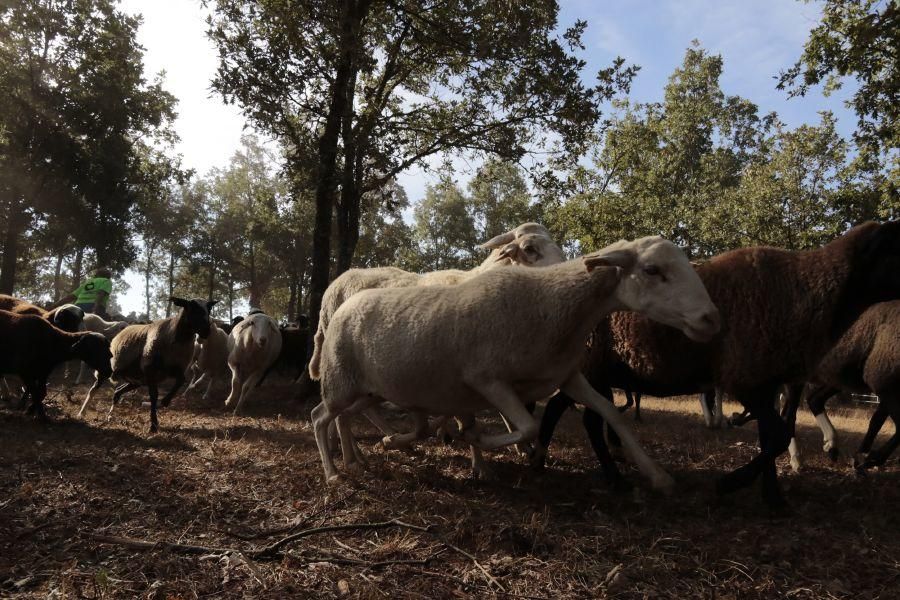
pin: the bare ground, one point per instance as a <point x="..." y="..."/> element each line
<point x="244" y="483"/>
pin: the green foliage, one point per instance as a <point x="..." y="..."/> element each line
<point x="858" y="39"/>
<point x="73" y="100"/>
<point x="705" y="170"/>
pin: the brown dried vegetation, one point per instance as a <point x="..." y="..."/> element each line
<point x="68" y="488"/>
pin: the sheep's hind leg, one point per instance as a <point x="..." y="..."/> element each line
<point x="117" y="395"/>
<point x="879" y="456"/>
<point x="876" y="422"/>
<point x="553" y="412"/>
<point x="816" y="398"/>
<point x="321" y="418"/>
<point x="578" y="388"/>
<point x="505" y="400"/>
<point x="774" y="438"/>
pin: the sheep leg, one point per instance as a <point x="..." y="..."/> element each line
<point x="789" y="413"/>
<point x="593" y="424"/>
<point x="90" y="394"/>
<point x="501" y="397"/>
<point x="521" y="448"/>
<point x="179" y="381"/>
<point x="379" y="421"/>
<point x="208" y="388"/>
<point x="708" y="410"/>
<point x="629" y="401"/>
<point x="875" y="424"/>
<point x="235" y="386"/>
<point x="154" y="393"/>
<point x="245" y="391"/>
<point x="553" y="412"/>
<point x="195" y="382"/>
<point x="889" y="406"/>
<point x="82" y="374"/>
<point x="579" y="389"/>
<point x="38" y="390"/>
<point x="397" y="441"/>
<point x="321" y="418"/>
<point x="354" y="461"/>
<point x="774" y="439"/>
<point x="117" y="394"/>
<point x="816" y="398"/>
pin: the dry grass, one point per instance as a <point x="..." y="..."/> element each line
<point x="212" y="480"/>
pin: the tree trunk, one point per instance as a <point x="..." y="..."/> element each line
<point x="148" y="272"/>
<point x="255" y="300"/>
<point x="353" y="13"/>
<point x="211" y="282"/>
<point x="15" y="224"/>
<point x="77" y="267"/>
<point x="171" y="279"/>
<point x="348" y="207"/>
<point x="292" y="300"/>
<point x="57" y="277"/>
<point x="230" y="300"/>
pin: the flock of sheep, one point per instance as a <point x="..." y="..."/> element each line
<point x="528" y="325"/>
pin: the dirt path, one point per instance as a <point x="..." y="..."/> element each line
<point x="243" y="483"/>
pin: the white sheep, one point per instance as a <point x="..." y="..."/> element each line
<point x="502" y="339"/>
<point x="211" y="360"/>
<point x="529" y="244"/>
<point x="253" y="346"/>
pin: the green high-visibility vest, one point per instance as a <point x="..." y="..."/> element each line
<point x="87" y="293"/>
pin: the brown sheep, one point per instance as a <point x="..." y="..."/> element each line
<point x="150" y="354"/>
<point x="782" y="313"/>
<point x="32" y="347"/>
<point x="866" y="359"/>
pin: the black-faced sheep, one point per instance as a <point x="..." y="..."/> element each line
<point x="782" y="312"/>
<point x="150" y="354"/>
<point x="501" y="339"/>
<point x="32" y="347"/>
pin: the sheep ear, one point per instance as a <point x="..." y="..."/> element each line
<point x="510" y="251"/>
<point x="497" y="241"/>
<point x="210" y="304"/>
<point x="624" y="259"/>
<point x="179" y="301"/>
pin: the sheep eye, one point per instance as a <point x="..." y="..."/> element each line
<point x="652" y="270"/>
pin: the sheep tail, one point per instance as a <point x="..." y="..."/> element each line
<point x="318" y="340"/>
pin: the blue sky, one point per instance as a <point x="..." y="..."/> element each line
<point x="757" y="39"/>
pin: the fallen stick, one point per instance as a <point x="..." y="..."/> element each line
<point x="276" y="546"/>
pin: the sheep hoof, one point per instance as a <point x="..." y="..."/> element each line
<point x="524" y="449"/>
<point x="796" y="465"/>
<point x="833" y="453"/>
<point x="354" y="467"/>
<point x="154" y="428"/>
<point x="483" y="473"/>
<point x="664" y="484"/>
<point x="538" y="457"/>
<point x="333" y="480"/>
<point x="390" y="442"/>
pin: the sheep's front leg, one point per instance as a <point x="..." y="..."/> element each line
<point x="581" y="391"/>
<point x="179" y="381"/>
<point x="154" y="394"/>
<point x="502" y="397"/>
<point x="397" y="441"/>
<point x="90" y="394"/>
<point x="235" y="386"/>
<point x="248" y="386"/>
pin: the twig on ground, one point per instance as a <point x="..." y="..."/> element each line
<point x="276" y="546"/>
<point x="296" y="522"/>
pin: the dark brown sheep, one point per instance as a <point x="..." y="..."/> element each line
<point x="865" y="359"/>
<point x="67" y="317"/>
<point x="782" y="312"/>
<point x="32" y="347"/>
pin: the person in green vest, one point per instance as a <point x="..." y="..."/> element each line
<point x="91" y="296"/>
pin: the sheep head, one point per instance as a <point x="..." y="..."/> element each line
<point x="196" y="312"/>
<point x="657" y="279"/>
<point x="92" y="348"/>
